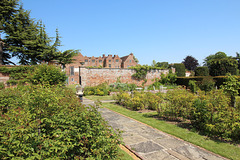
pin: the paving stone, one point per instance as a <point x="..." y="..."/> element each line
<point x="194" y="153"/>
<point x="170" y="143"/>
<point x="152" y="134"/>
<point x="152" y="144"/>
<point x="146" y="147"/>
<point x="158" y="155"/>
<point x="133" y="138"/>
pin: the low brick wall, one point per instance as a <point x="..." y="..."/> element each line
<point x="4" y="77"/>
<point x="96" y="76"/>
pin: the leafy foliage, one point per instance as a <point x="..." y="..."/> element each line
<point x="190" y="63"/>
<point x="193" y="86"/>
<point x="208" y="112"/>
<point x="202" y="71"/>
<point x="49" y="74"/>
<point x="221" y="67"/>
<point x="142" y="70"/>
<point x="179" y="69"/>
<point x="34" y="125"/>
<point x="231" y="86"/>
<point x="168" y="79"/>
<point x="26" y="38"/>
<point x="207" y="84"/>
<point x="163" y="65"/>
<point x="44" y="74"/>
<point x="2" y="86"/>
<point x="218" y="55"/>
<point x="100" y="90"/>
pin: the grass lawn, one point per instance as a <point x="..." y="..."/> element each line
<point x="122" y="155"/>
<point x="94" y="98"/>
<point x="221" y="148"/>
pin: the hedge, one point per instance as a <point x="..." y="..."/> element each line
<point x="179" y="69"/>
<point x="185" y="80"/>
<point x="202" y="71"/>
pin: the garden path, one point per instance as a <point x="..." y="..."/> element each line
<point x="151" y="144"/>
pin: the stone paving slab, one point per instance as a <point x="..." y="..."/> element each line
<point x="152" y="144"/>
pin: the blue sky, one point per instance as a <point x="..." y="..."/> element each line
<point x="160" y="30"/>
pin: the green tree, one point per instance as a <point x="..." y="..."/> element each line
<point x="65" y="57"/>
<point x="153" y="63"/>
<point x="25" y="38"/>
<point x="163" y="65"/>
<point x="21" y="34"/>
<point x="7" y="9"/>
<point x="218" y="55"/>
<point x="220" y="67"/>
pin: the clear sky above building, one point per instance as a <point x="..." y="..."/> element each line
<point x="160" y="30"/>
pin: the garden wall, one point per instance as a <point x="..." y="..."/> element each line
<point x="4" y="77"/>
<point x="96" y="76"/>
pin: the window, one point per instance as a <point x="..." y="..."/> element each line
<point x="128" y="66"/>
<point x="110" y="66"/>
<point x="117" y="60"/>
<point x="72" y="71"/>
<point x="109" y="60"/>
<point x="93" y="60"/>
<point x="100" y="61"/>
<point x="86" y="60"/>
<point x="130" y="61"/>
<point x="72" y="79"/>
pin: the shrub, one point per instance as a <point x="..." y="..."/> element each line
<point x="207" y="84"/>
<point x="153" y="100"/>
<point x="51" y="123"/>
<point x="237" y="103"/>
<point x="118" y="86"/>
<point x="193" y="86"/>
<point x="180" y="103"/>
<point x="168" y="79"/>
<point x="180" y="69"/>
<point x="213" y="115"/>
<point x="48" y="74"/>
<point x="231" y="86"/>
<point x="2" y="86"/>
<point x="202" y="71"/>
<point x="100" y="90"/>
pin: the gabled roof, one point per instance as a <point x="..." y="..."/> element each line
<point x="124" y="58"/>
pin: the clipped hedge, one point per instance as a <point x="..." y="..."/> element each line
<point x="184" y="81"/>
<point x="179" y="69"/>
<point x="202" y="71"/>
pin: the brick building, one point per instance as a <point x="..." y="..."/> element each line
<point x="109" y="61"/>
<point x="128" y="61"/>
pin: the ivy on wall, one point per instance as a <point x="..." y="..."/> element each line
<point x="142" y="70"/>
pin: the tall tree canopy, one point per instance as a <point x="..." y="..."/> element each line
<point x="25" y="38"/>
<point x="190" y="63"/>
<point x="218" y="55"/>
<point x="163" y="65"/>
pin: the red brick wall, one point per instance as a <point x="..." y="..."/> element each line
<point x="95" y="76"/>
<point x="4" y="78"/>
